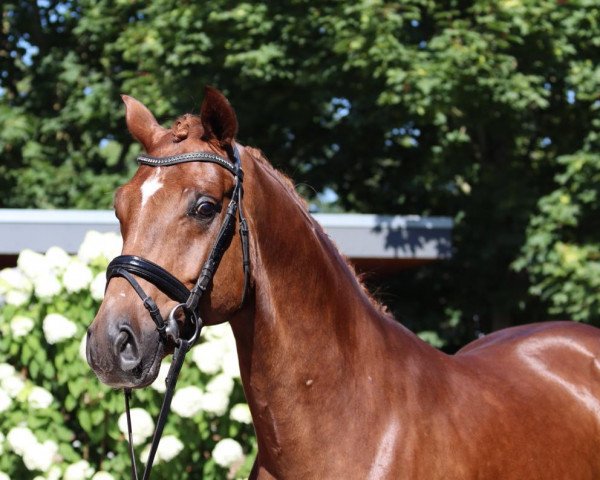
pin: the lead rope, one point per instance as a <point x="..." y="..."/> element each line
<point x="183" y="346"/>
<point x="134" y="474"/>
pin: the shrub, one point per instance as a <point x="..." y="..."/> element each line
<point x="58" y="421"/>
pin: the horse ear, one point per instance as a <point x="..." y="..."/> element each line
<point x="140" y="122"/>
<point x="218" y="117"/>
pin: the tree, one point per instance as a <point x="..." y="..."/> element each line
<point x="446" y="108"/>
<point x="562" y="250"/>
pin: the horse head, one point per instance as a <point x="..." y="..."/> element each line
<point x="171" y="216"/>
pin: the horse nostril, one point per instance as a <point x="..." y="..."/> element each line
<point x="126" y="349"/>
<point x="122" y="342"/>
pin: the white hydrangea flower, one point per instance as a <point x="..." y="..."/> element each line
<point x="112" y="245"/>
<point x="218" y="352"/>
<point x="20" y="325"/>
<point x="215" y="403"/>
<point x="77" y="276"/>
<point x="4" y="476"/>
<point x="5" y="401"/>
<point x="57" y="259"/>
<point x="143" y="426"/>
<point x="98" y="245"/>
<point x="58" y="328"/>
<point x="208" y="356"/>
<point x="229" y="339"/>
<point x="55" y="473"/>
<point x="6" y="370"/>
<point x="13" y="279"/>
<point x="220" y="384"/>
<point x="145" y="453"/>
<point x="187" y="401"/>
<point x="80" y="470"/>
<point x="240" y="412"/>
<point x="40" y="456"/>
<point x="231" y="364"/>
<point x="98" y="285"/>
<point x="159" y="384"/>
<point x="217" y="332"/>
<point x="228" y="452"/>
<point x="32" y="264"/>
<point x="168" y="448"/>
<point x="30" y="458"/>
<point x="46" y="285"/>
<point x="16" y="298"/>
<point x="20" y="439"/>
<point x="40" y="398"/>
<point x="91" y="247"/>
<point x="103" y="476"/>
<point x="12" y="385"/>
<point x="82" y="348"/>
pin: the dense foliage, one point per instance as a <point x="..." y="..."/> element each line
<point x="464" y="108"/>
<point x="57" y="421"/>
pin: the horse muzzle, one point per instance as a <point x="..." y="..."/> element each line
<point x="123" y="357"/>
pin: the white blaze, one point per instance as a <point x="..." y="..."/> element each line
<point x="151" y="186"/>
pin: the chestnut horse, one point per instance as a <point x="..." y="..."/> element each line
<point x="337" y="388"/>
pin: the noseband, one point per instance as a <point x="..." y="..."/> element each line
<point x="131" y="266"/>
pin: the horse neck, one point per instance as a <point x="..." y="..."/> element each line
<point x="312" y="325"/>
<point x="308" y="302"/>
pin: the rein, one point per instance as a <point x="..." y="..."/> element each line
<point x="130" y="266"/>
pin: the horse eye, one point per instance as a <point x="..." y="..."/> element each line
<point x="205" y="209"/>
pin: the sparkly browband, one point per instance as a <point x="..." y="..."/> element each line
<point x="189" y="157"/>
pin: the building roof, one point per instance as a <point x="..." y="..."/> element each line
<point x="373" y="241"/>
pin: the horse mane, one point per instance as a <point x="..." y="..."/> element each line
<point x="258" y="156"/>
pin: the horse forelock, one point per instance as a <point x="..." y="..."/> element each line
<point x="187" y="125"/>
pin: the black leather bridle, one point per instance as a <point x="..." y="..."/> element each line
<point x="131" y="266"/>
